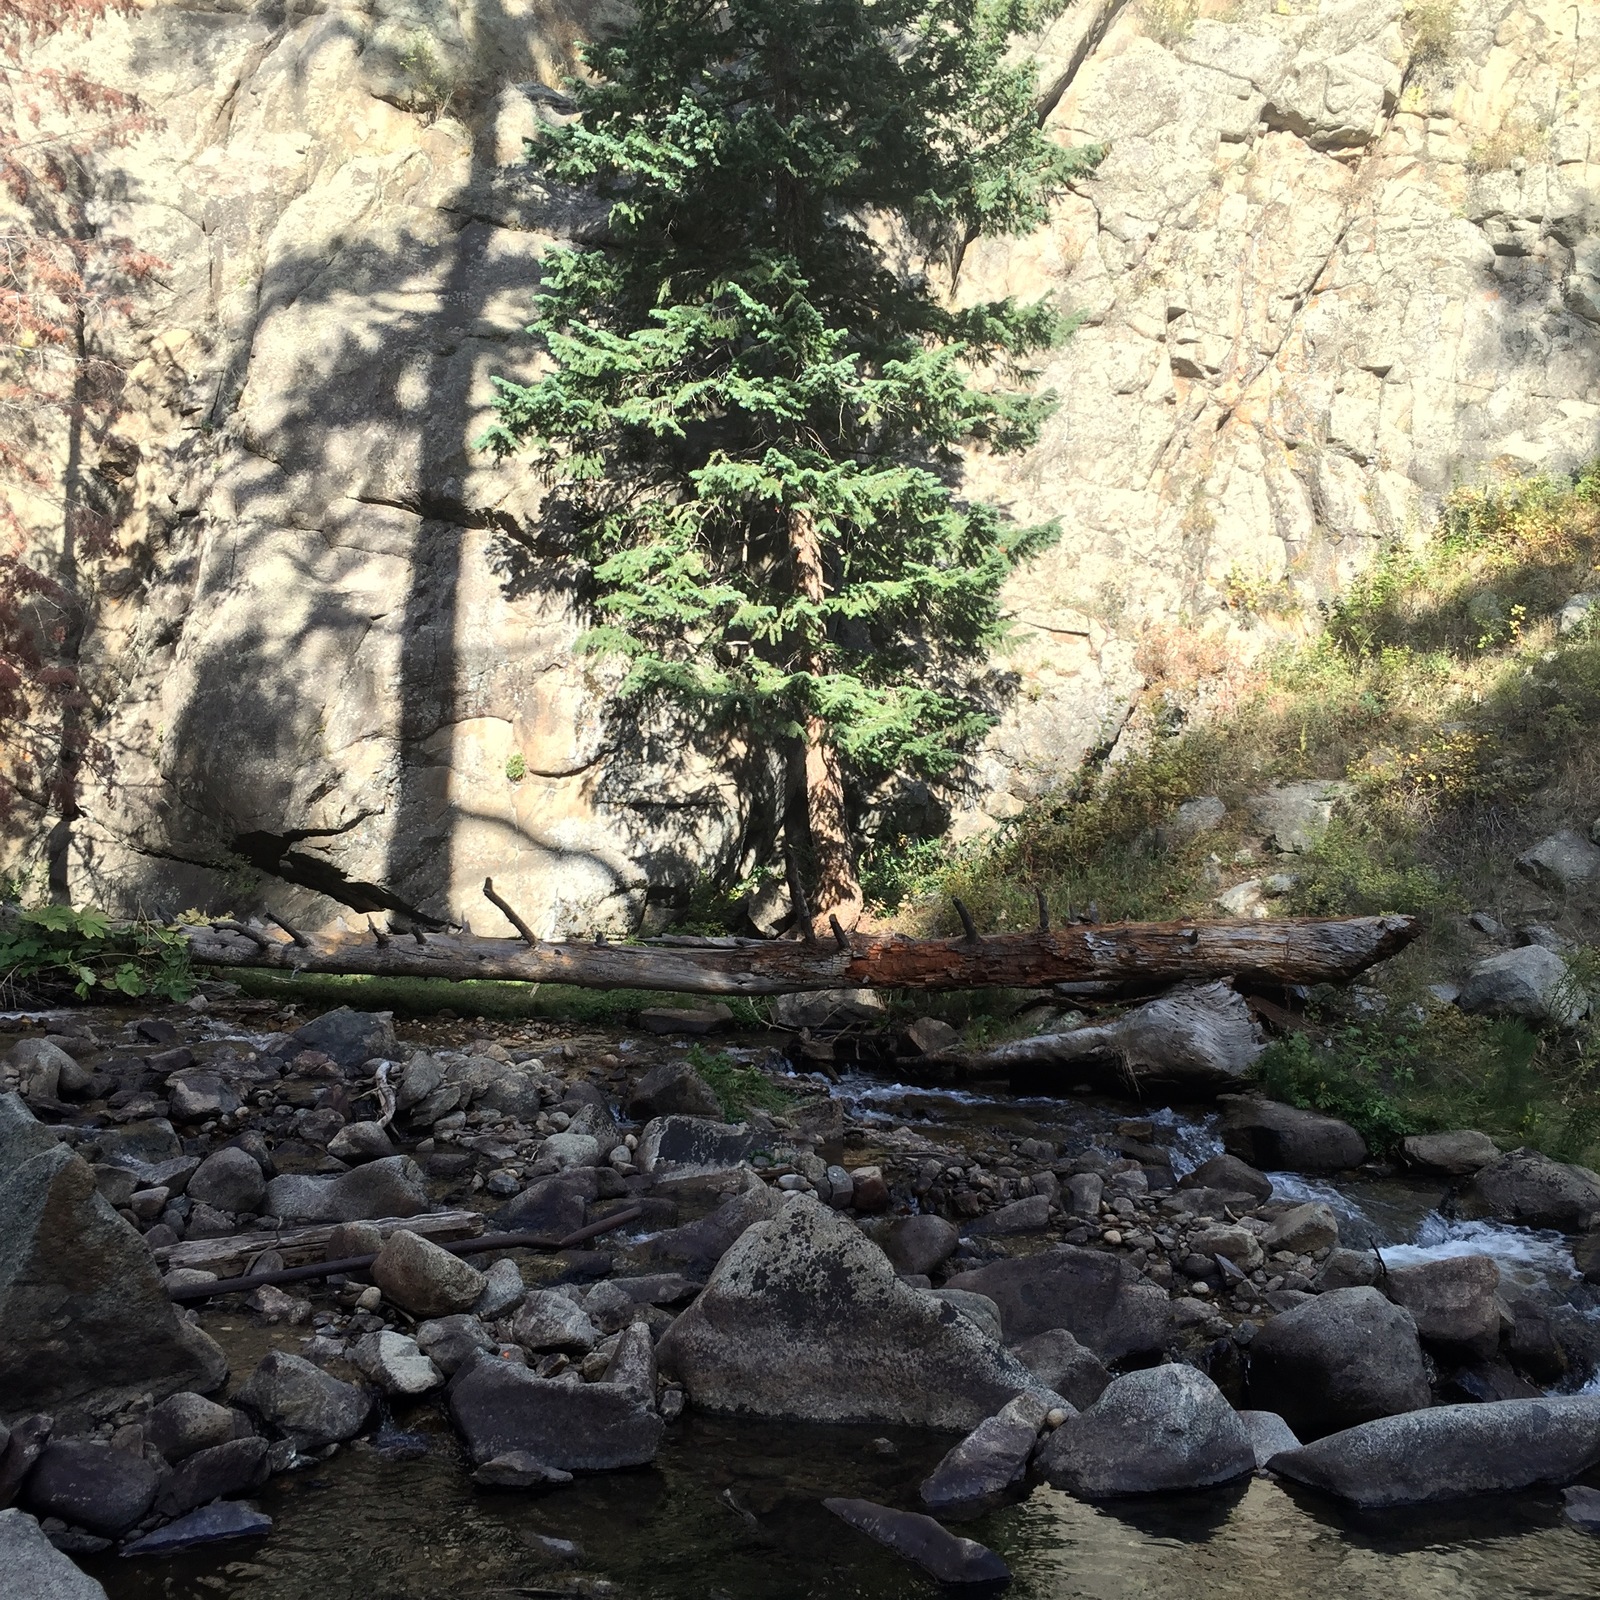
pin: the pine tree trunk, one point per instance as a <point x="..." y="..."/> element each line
<point x="835" y="891"/>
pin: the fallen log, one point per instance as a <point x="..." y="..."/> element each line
<point x="1302" y="950"/>
<point x="306" y="1243"/>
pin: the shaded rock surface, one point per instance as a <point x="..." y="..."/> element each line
<point x="944" y="1555"/>
<point x="91" y="1486"/>
<point x="1527" y="1187"/>
<point x="390" y="1188"/>
<point x="1277" y="1137"/>
<point x="306" y="1405"/>
<point x="1060" y="1363"/>
<point x="34" y="1569"/>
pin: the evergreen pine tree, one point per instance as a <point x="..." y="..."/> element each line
<point x="752" y="419"/>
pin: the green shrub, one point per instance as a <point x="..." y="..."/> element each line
<point x="738" y="1088"/>
<point x="49" y="951"/>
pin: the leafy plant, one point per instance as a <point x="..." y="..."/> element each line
<point x="738" y="1088"/>
<point x="516" y="766"/>
<point x="48" y="949"/>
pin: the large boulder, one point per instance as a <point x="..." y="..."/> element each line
<point x="310" y="1407"/>
<point x="37" y="1067"/>
<point x="920" y="1243"/>
<point x="1452" y="1452"/>
<point x="693" y="1144"/>
<point x="230" y="1180"/>
<point x="502" y="1408"/>
<point x="349" y="1037"/>
<point x="238" y="1467"/>
<point x="82" y="1308"/>
<point x="1059" y="1362"/>
<point x="1294" y="816"/>
<point x="673" y="1089"/>
<point x="1453" y="1155"/>
<point x="805" y="1318"/>
<point x="1277" y="1137"/>
<point x="1531" y="982"/>
<point x="34" y="1569"/>
<point x="989" y="1461"/>
<point x="423" y="1278"/>
<point x="186" y="1422"/>
<point x="1199" y="1038"/>
<point x="1098" y="1298"/>
<point x="91" y="1486"/>
<point x="1454" y="1302"/>
<point x="1160" y="1429"/>
<point x="551" y="1207"/>
<point x="1524" y="1186"/>
<point x="1343" y="1358"/>
<point x="391" y="1188"/>
<point x="1228" y="1175"/>
<point x="1563" y="861"/>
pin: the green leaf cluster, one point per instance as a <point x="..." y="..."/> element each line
<point x="748" y="345"/>
<point x="49" y="949"/>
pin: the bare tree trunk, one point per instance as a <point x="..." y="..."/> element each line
<point x="835" y="892"/>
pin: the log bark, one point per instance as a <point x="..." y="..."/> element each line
<point x="1132" y="954"/>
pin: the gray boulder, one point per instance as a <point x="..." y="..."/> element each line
<point x="391" y="1188"/>
<point x="501" y="1408"/>
<point x="1228" y="1175"/>
<point x="361" y="1141"/>
<point x="991" y="1459"/>
<point x="978" y="1309"/>
<point x="550" y="1320"/>
<point x="310" y="1407"/>
<point x="91" y="1486"/>
<point x="1531" y="983"/>
<point x="1527" y="1187"/>
<point x="1561" y="862"/>
<point x="1098" y="1298"/>
<point x="1303" y="1229"/>
<point x="1452" y="1452"/>
<point x="1285" y="1138"/>
<point x="551" y="1207"/>
<point x="1295" y="816"/>
<point x="1201" y="1037"/>
<point x="946" y="1556"/>
<point x="673" y="1089"/>
<point x="1343" y="1358"/>
<point x="450" y="1342"/>
<point x="83" y="1311"/>
<point x="1059" y="1362"/>
<point x="920" y="1243"/>
<point x="220" y="1523"/>
<point x="238" y="1467"/>
<point x="34" y="1569"/>
<point x="349" y="1037"/>
<point x="633" y="1364"/>
<point x="1269" y="1435"/>
<point x="1161" y="1429"/>
<point x="151" y="1142"/>
<point x="1454" y="1302"/>
<point x="39" y="1066"/>
<point x="699" y="1245"/>
<point x="805" y="1318"/>
<point x="187" y="1422"/>
<point x="424" y="1279"/>
<point x="1452" y="1155"/>
<point x="395" y="1363"/>
<point x="692" y="1144"/>
<point x="1582" y="1509"/>
<point x="230" y="1180"/>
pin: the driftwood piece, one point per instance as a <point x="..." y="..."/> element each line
<point x="1292" y="950"/>
<point x="298" y="1245"/>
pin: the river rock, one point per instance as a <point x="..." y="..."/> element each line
<point x="184" y="1423"/>
<point x="38" y="1066"/>
<point x="921" y="1243"/>
<point x="699" y="1245"/>
<point x="633" y="1363"/>
<point x="34" y="1569"/>
<point x="805" y="1318"/>
<point x="563" y="1152"/>
<point x="221" y="1523"/>
<point x="579" y="1427"/>
<point x="310" y="1407"/>
<point x="220" y="1473"/>
<point x="395" y="1363"/>
<point x="391" y="1188"/>
<point x="26" y="1437"/>
<point x="91" y="1486"/>
<point x="516" y="1469"/>
<point x="1452" y="1452"/>
<point x="1269" y="1434"/>
<point x="1582" y="1507"/>
<point x="1454" y="1302"/>
<point x="1098" y="1298"/>
<point x="673" y="1089"/>
<point x="1348" y="1269"/>
<point x="1060" y="1363"/>
<point x="423" y="1278"/>
<point x="450" y="1342"/>
<point x="150" y="1142"/>
<point x="1531" y="983"/>
<point x="692" y="1144"/>
<point x="988" y="1462"/>
<point x="230" y="1180"/>
<point x="1028" y="1215"/>
<point x="1161" y="1429"/>
<point x="361" y="1141"/>
<point x="83" y="1310"/>
<point x="503" y="1289"/>
<point x="1201" y="1037"/>
<point x="978" y="1309"/>
<point x="1228" y="1175"/>
<point x="1453" y="1155"/>
<point x="1285" y="1138"/>
<point x="551" y="1320"/>
<point x="551" y="1207"/>
<point x="1303" y="1229"/>
<point x="946" y="1556"/>
<point x="349" y="1037"/>
<point x="1343" y="1358"/>
<point x="1527" y="1187"/>
<point x="196" y="1095"/>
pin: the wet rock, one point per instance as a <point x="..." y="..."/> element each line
<point x="550" y="1320"/>
<point x="805" y="1318"/>
<point x="1532" y="983"/>
<point x="692" y="1144"/>
<point x="34" y="1569"/>
<point x="390" y="1188"/>
<point x="516" y="1469"/>
<point x="578" y="1427"/>
<point x="552" y="1207"/>
<point x="920" y="1243"/>
<point x="1161" y="1429"/>
<point x="562" y="1152"/>
<point x="1582" y="1508"/>
<point x="633" y="1364"/>
<point x="1098" y="1298"/>
<point x="196" y="1095"/>
<point x="1060" y="1363"/>
<point x="186" y="1422"/>
<point x="1028" y="1215"/>
<point x="1527" y="1187"/>
<point x="988" y="1462"/>
<point x="1454" y="1303"/>
<point x="395" y="1363"/>
<point x="1452" y="1452"/>
<point x="83" y="1310"/>
<point x="694" y="1020"/>
<point x="673" y="1089"/>
<point x="945" y="1556"/>
<point x="1561" y="862"/>
<point x="449" y="1342"/>
<point x="1454" y="1155"/>
<point x="221" y="1523"/>
<point x="26" y="1438"/>
<point x="220" y="1473"/>
<point x="928" y="1036"/>
<point x="308" y="1406"/>
<point x="1343" y="1358"/>
<point x="1269" y="1435"/>
<point x="91" y="1486"/>
<point x="349" y="1037"/>
<point x="1303" y="1229"/>
<point x="361" y="1141"/>
<point x="424" y="1279"/>
<point x="1229" y="1175"/>
<point x="1285" y="1138"/>
<point x="1202" y="1037"/>
<point x="230" y="1180"/>
<point x="1348" y="1269"/>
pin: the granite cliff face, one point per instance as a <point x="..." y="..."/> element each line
<point x="1338" y="260"/>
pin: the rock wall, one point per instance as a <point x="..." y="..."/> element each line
<point x="1336" y="262"/>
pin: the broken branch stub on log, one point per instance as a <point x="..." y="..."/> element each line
<point x="1292" y="950"/>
